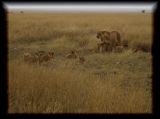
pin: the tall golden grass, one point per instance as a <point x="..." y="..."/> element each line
<point x="105" y="83"/>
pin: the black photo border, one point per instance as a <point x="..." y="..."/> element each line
<point x="4" y="71"/>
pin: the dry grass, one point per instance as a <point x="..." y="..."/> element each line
<point x="104" y="83"/>
<point x="142" y="46"/>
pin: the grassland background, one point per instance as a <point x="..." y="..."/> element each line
<point x="105" y="83"/>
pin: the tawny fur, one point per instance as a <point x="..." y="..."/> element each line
<point x="104" y="47"/>
<point x="113" y="37"/>
<point x="71" y="55"/>
<point x="81" y="59"/>
<point x="46" y="57"/>
<point x="30" y="58"/>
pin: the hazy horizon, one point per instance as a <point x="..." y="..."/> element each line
<point x="81" y="7"/>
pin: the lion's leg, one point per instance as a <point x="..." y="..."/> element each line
<point x="99" y="47"/>
<point x="103" y="48"/>
<point x="107" y="46"/>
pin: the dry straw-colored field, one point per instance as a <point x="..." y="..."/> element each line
<point x="104" y="83"/>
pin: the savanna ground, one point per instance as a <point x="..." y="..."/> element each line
<point x="105" y="83"/>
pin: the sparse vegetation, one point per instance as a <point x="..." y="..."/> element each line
<point x="104" y="83"/>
